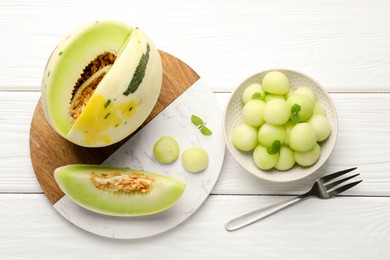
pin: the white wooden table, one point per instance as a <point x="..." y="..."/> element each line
<point x="344" y="45"/>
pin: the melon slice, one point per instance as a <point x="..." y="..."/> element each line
<point x="118" y="191"/>
<point x="101" y="83"/>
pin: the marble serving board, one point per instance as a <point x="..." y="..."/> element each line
<point x="137" y="153"/>
<point x="183" y="94"/>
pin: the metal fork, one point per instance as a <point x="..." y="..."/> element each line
<point x="322" y="188"/>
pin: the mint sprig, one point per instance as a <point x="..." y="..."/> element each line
<point x="201" y="125"/>
<point x="294" y="116"/>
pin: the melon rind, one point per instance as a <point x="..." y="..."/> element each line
<point x="74" y="180"/>
<point x="100" y="124"/>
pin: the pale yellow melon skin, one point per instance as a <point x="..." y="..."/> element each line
<point x="110" y="116"/>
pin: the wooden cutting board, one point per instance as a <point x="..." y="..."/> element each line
<point x="48" y="150"/>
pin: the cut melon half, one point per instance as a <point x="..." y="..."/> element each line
<point x="101" y="83"/>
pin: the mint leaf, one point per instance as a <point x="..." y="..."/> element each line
<point x="257" y="95"/>
<point x="205" y="131"/>
<point x="294" y="117"/>
<point x="196" y="120"/>
<point x="274" y="148"/>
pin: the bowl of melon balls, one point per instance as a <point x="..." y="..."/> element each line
<point x="280" y="125"/>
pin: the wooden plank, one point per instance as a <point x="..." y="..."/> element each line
<point x="16" y="111"/>
<point x="343" y="45"/>
<point x="343" y="227"/>
<point x="364" y="121"/>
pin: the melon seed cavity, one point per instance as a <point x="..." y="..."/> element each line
<point x="135" y="182"/>
<point x="83" y="90"/>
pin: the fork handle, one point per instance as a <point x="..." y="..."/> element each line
<point x="259" y="214"/>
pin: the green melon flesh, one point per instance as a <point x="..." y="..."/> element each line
<point x="75" y="181"/>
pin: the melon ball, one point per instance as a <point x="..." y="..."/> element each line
<point x="286" y="159"/>
<point x="195" y="159"/>
<point x="252" y="90"/>
<point x="321" y="125"/>
<point x="303" y="137"/>
<point x="306" y="91"/>
<point x="308" y="158"/>
<point x="305" y="104"/>
<point x="276" y="112"/>
<point x="244" y="137"/>
<point x="276" y="82"/>
<point x="319" y="109"/>
<point x="263" y="159"/>
<point x="269" y="133"/>
<point x="252" y="112"/>
<point x="166" y="149"/>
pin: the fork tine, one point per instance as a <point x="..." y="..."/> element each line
<point x="343" y="188"/>
<point x="335" y="183"/>
<point x="336" y="174"/>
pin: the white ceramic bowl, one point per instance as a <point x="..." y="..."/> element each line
<point x="233" y="117"/>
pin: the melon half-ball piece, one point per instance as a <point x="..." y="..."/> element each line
<point x="166" y="149"/>
<point x="268" y="134"/>
<point x="306" y="91"/>
<point x="101" y="83"/>
<point x="276" y="112"/>
<point x="195" y="159"/>
<point x="305" y="106"/>
<point x="252" y="112"/>
<point x="321" y="125"/>
<point x="286" y="159"/>
<point x="264" y="160"/>
<point x="303" y="137"/>
<point x="253" y="91"/>
<point x="244" y="137"/>
<point x="275" y="82"/>
<point x="308" y="158"/>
